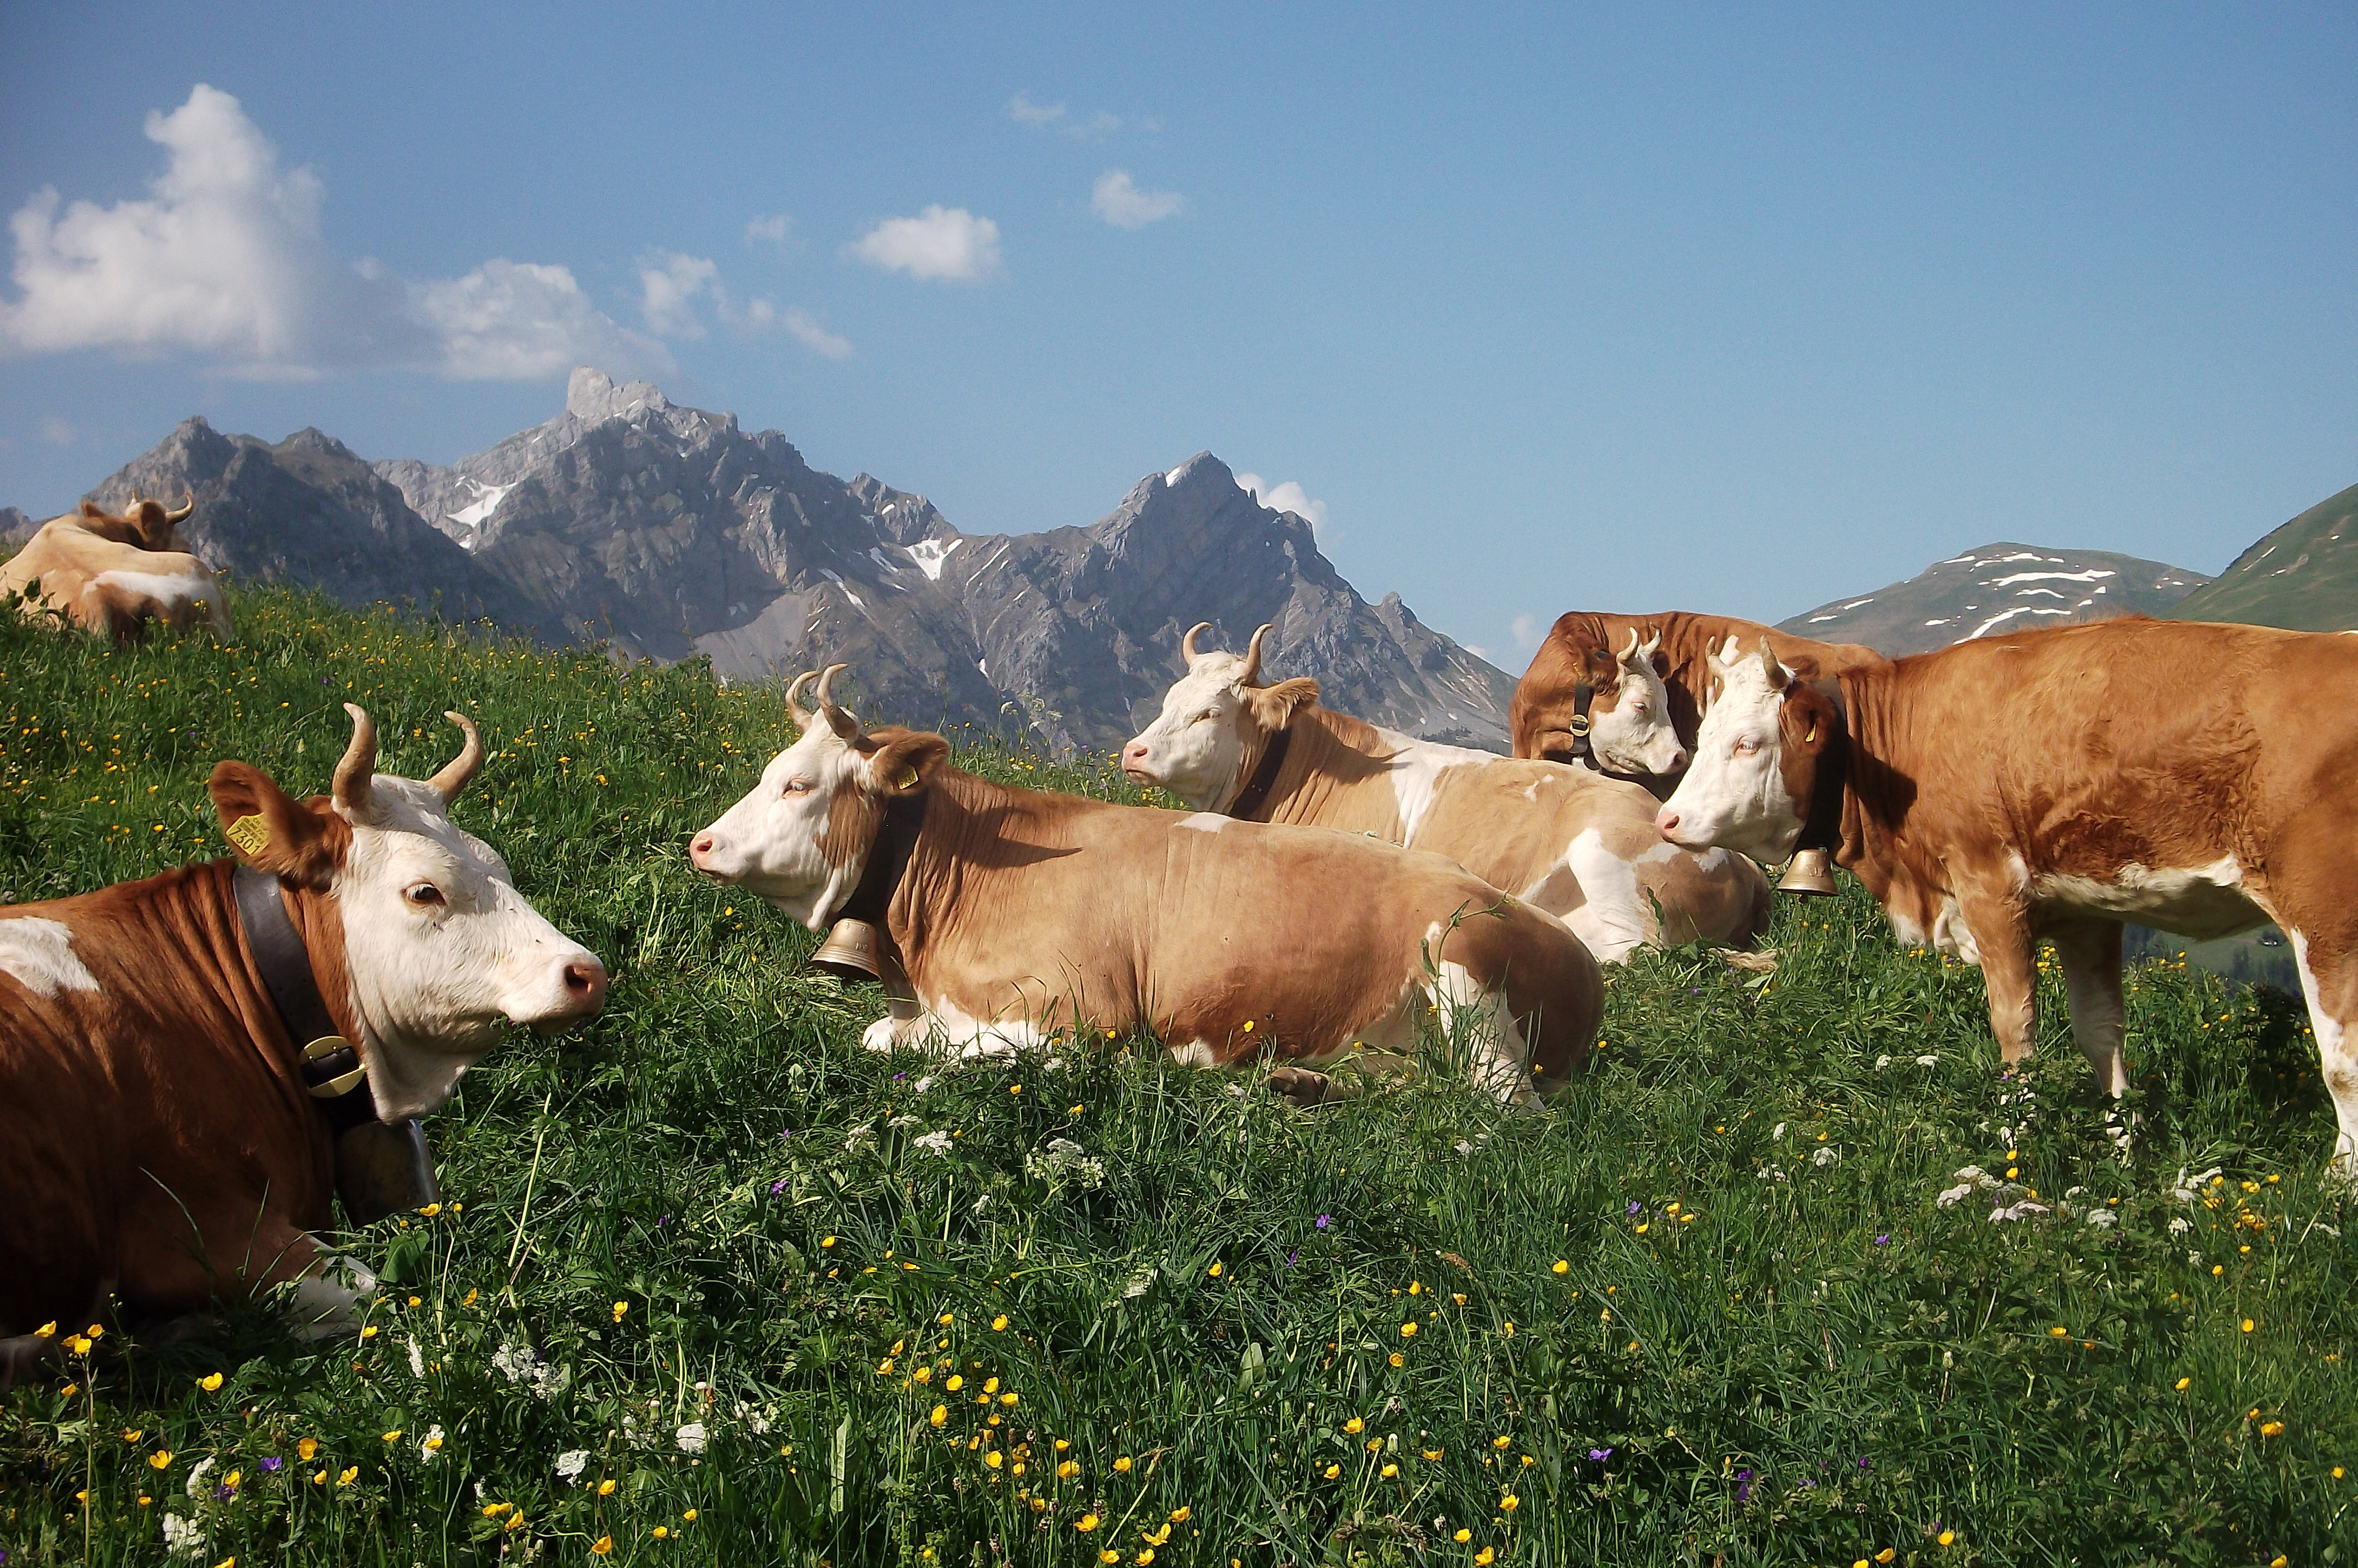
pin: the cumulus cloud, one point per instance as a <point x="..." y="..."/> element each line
<point x="1022" y="110"/>
<point x="1118" y="201"/>
<point x="1290" y="497"/>
<point x="769" y="228"/>
<point x="226" y="259"/>
<point x="673" y="286"/>
<point x="1050" y="117"/>
<point x="940" y="242"/>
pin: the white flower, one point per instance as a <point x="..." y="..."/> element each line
<point x="2104" y="1219"/>
<point x="2185" y="1191"/>
<point x="514" y="1360"/>
<point x="935" y="1142"/>
<point x="182" y="1537"/>
<point x="756" y="1421"/>
<point x="1956" y="1195"/>
<point x="416" y="1360"/>
<point x="197" y="1477"/>
<point x="1928" y="1061"/>
<point x="571" y="1463"/>
<point x="1777" y="1131"/>
<point x="691" y="1438"/>
<point x="902" y="1123"/>
<point x="2021" y="1210"/>
<point x="1464" y="1150"/>
<point x="2180" y="1226"/>
<point x="430" y="1445"/>
<point x="922" y="1085"/>
<point x="1881" y="1063"/>
<point x="1824" y="1156"/>
<point x="861" y="1137"/>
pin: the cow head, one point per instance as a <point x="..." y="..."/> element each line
<point x="1756" y="766"/>
<point x="1629" y="729"/>
<point x="142" y="524"/>
<point x="800" y="840"/>
<point x="437" y="949"/>
<point x="1217" y="716"/>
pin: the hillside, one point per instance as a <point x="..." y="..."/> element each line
<point x="1719" y="1298"/>
<point x="2003" y="586"/>
<point x="2302" y="575"/>
<point x="667" y="532"/>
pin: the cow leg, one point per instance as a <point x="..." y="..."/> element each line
<point x="1482" y="1032"/>
<point x="2090" y="951"/>
<point x="2328" y="983"/>
<point x="2001" y="935"/>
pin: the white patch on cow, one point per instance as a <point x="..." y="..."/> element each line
<point x="2201" y="902"/>
<point x="1951" y="936"/>
<point x="1415" y="768"/>
<point x="1733" y="793"/>
<point x="2334" y="1058"/>
<point x="1483" y="1033"/>
<point x="772" y="842"/>
<point x="1194" y="1053"/>
<point x="39" y="954"/>
<point x="1203" y="821"/>
<point x="328" y="1297"/>
<point x="1611" y="917"/>
<point x="433" y="984"/>
<point x="173" y="593"/>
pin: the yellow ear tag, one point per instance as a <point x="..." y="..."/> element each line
<point x="250" y="834"/>
<point x="1812" y="734"/>
<point x="908" y="779"/>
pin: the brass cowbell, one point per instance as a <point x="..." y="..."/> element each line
<point x="855" y="950"/>
<point x="1810" y="874"/>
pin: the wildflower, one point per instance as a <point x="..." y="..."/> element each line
<point x="994" y="1459"/>
<point x="273" y="1464"/>
<point x="1561" y="1266"/>
<point x="606" y="1487"/>
<point x="160" y="1460"/>
<point x="1396" y="1359"/>
<point x="955" y="1383"/>
<point x="602" y="1545"/>
<point x="1332" y="1471"/>
<point x="1484" y="1558"/>
<point x="619" y="1308"/>
<point x="1122" y="1466"/>
<point x="1324" y="1220"/>
<point x="351" y="1472"/>
<point x="1355" y="1426"/>
<point x="1885" y="1555"/>
<point x="304" y="1449"/>
<point x="998" y="1323"/>
<point x="1214" y="1270"/>
<point x="432" y="1446"/>
<point x="1508" y="1503"/>
<point x="77" y="1343"/>
<point x="1600" y="1454"/>
<point x="826" y="1241"/>
<point x="1433" y="1456"/>
<point x="1408" y="1331"/>
<point x="571" y="1463"/>
<point x="690" y="1438"/>
<point x="661" y="1533"/>
<point x="1085" y="1523"/>
<point x="393" y="1436"/>
<point x="210" y="1382"/>
<point x="2059" y="1332"/>
<point x="1946" y="1538"/>
<point x="1180" y="1515"/>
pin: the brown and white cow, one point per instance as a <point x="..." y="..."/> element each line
<point x="113" y="574"/>
<point x="1631" y="702"/>
<point x="1021" y="916"/>
<point x="1566" y="840"/>
<point x="160" y="1143"/>
<point x="2055" y="784"/>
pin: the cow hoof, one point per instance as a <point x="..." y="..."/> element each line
<point x="1301" y="1088"/>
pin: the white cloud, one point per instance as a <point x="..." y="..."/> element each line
<point x="1525" y="629"/>
<point x="57" y="432"/>
<point x="226" y="259"/>
<point x="808" y="331"/>
<point x="1290" y="497"/>
<point x="769" y="228"/>
<point x="668" y="285"/>
<point x="1025" y="112"/>
<point x="1117" y="200"/>
<point x="940" y="242"/>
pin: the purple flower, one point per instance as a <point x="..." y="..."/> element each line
<point x="1884" y="1239"/>
<point x="1600" y="1454"/>
<point x="1812" y="1485"/>
<point x="224" y="1492"/>
<point x="778" y="1186"/>
<point x="1291" y="1256"/>
<point x="1865" y="1465"/>
<point x="1744" y="1490"/>
<point x="1324" y="1220"/>
<point x="272" y="1463"/>
<point x="898" y="1077"/>
<point x="1635" y="1205"/>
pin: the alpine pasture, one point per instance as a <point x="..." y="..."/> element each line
<point x="710" y="1284"/>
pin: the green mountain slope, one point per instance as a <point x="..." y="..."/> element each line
<point x="2304" y="575"/>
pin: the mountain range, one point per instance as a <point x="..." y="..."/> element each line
<point x="2003" y="586"/>
<point x="667" y="532"/>
<point x="2303" y="574"/>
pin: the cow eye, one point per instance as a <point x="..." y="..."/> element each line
<point x="1207" y="716"/>
<point x="424" y="895"/>
<point x="1747" y="746"/>
<point x="798" y="786"/>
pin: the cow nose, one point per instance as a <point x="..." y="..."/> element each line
<point x="1666" y="821"/>
<point x="1133" y="752"/>
<point x="700" y="847"/>
<point x="585" y="985"/>
<point x="1677" y="762"/>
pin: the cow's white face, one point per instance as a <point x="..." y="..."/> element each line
<point x="1634" y="736"/>
<point x="1195" y="747"/>
<point x="1734" y="793"/>
<point x="774" y="843"/>
<point x="441" y="949"/>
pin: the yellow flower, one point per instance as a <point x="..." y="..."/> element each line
<point x="1500" y="1441"/>
<point x="47" y="1331"/>
<point x="2270" y="1428"/>
<point x="1390" y="1471"/>
<point x="606" y="1487"/>
<point x="826" y="1241"/>
<point x="991" y="1385"/>
<point x="954" y="1383"/>
<point x="369" y="1332"/>
<point x="662" y="1531"/>
<point x="998" y="1323"/>
<point x="2247" y="1325"/>
<point x="210" y="1382"/>
<point x="1484" y="1558"/>
<point x="602" y="1545"/>
<point x="1122" y="1466"/>
<point x="1180" y="1515"/>
<point x="1333" y="1470"/>
<point x="1509" y="1503"/>
<point x="2059" y="1332"/>
<point x="1506" y="1329"/>
<point x="351" y="1472"/>
<point x="1147" y="1555"/>
<point x="1008" y="1397"/>
<point x="469" y="1301"/>
<point x="923" y="1375"/>
<point x="77" y="1343"/>
<point x="1462" y="1537"/>
<point x="2337" y="1472"/>
<point x="1432" y="1456"/>
<point x="1355" y="1426"/>
<point x="493" y="1510"/>
<point x="393" y="1436"/>
<point x="884" y="1368"/>
<point x="1885" y="1555"/>
<point x="1643" y="1226"/>
<point x="1214" y="1270"/>
<point x="234" y="1476"/>
<point x="1561" y="1266"/>
<point x="1397" y="1360"/>
<point x="430" y="1210"/>
<point x="160" y="1460"/>
<point x="1408" y="1331"/>
<point x="993" y="1459"/>
<point x="1015" y="1089"/>
<point x="134" y="1433"/>
<point x="1457" y="1298"/>
<point x="2181" y="1384"/>
<point x="1085" y="1523"/>
<point x="1689" y="1218"/>
<point x="941" y="1413"/>
<point x="619" y="1308"/>
<point x="1946" y="1538"/>
<point x="1109" y="1556"/>
<point x="1068" y="1469"/>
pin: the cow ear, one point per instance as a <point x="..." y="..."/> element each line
<point x="1273" y="706"/>
<point x="273" y="833"/>
<point x="1661" y="662"/>
<point x="155" y="531"/>
<point x="906" y="764"/>
<point x="93" y="509"/>
<point x="1805" y="720"/>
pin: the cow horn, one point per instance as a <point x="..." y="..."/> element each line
<point x="1250" y="674"/>
<point x="845" y="726"/>
<point x="460" y="771"/>
<point x="181" y="513"/>
<point x="1188" y="643"/>
<point x="1770" y="667"/>
<point x="358" y="764"/>
<point x="1652" y="645"/>
<point x="1632" y="652"/>
<point x="804" y="718"/>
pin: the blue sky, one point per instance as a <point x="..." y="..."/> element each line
<point x="1720" y="309"/>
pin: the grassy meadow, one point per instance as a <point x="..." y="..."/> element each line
<point x="709" y="1284"/>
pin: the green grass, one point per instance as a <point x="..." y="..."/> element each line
<point x="648" y="1205"/>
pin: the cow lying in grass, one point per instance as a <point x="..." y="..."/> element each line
<point x="1023" y="916"/>
<point x="113" y="574"/>
<point x="169" y="1138"/>
<point x="2051" y="784"/>
<point x="1565" y="839"/>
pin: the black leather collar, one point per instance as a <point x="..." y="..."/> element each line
<point x="329" y="1065"/>
<point x="1255" y="794"/>
<point x="904" y="818"/>
<point x="1821" y="830"/>
<point x="1584" y="692"/>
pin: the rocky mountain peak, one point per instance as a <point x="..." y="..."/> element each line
<point x="591" y="395"/>
<point x="2003" y="587"/>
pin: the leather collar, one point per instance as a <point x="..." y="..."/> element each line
<point x="329" y="1065"/>
<point x="888" y="858"/>
<point x="1821" y="830"/>
<point x="1255" y="794"/>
